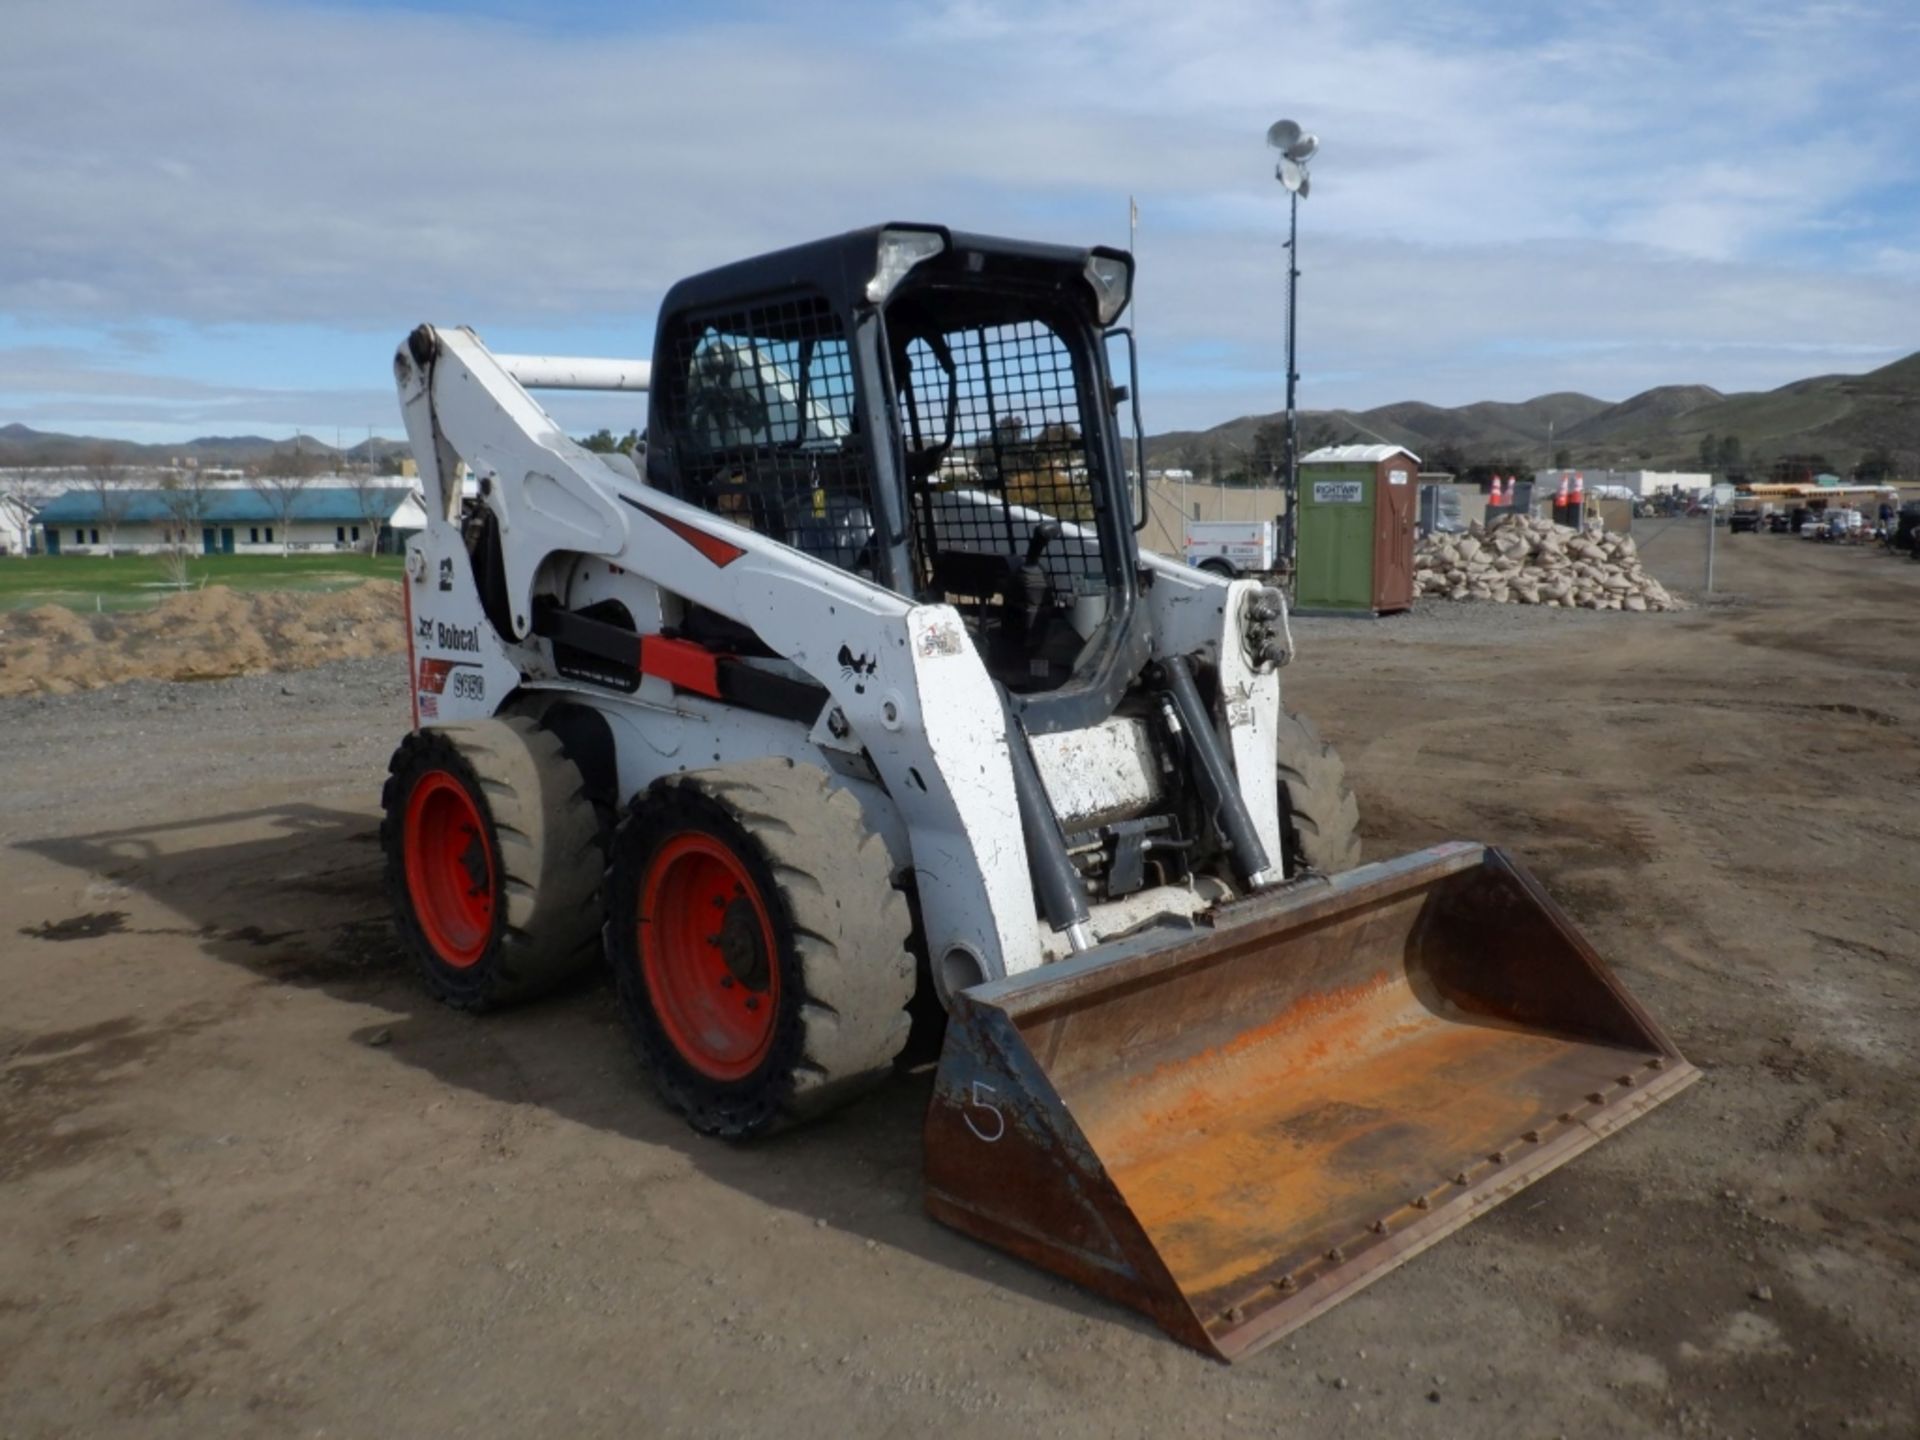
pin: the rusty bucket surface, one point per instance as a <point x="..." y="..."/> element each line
<point x="1233" y="1129"/>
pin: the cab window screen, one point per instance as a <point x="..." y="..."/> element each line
<point x="1008" y="397"/>
<point x="769" y="430"/>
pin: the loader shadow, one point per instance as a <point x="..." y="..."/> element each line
<point x="293" y="894"/>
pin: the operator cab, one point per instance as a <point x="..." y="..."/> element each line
<point x="932" y="412"/>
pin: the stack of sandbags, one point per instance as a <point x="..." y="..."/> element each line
<point x="1529" y="560"/>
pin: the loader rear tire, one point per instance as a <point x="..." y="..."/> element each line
<point x="494" y="852"/>
<point x="1319" y="818"/>
<point x="759" y="945"/>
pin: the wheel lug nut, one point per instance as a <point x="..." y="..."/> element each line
<point x="726" y="982"/>
<point x="753" y="1002"/>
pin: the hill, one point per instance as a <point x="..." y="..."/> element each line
<point x="1842" y="419"/>
<point x="22" y="445"/>
<point x="1647" y="411"/>
<point x="1837" y="420"/>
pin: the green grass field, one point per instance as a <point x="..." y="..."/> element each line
<point x="128" y="582"/>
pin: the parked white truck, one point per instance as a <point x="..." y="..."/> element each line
<point x="1232" y="548"/>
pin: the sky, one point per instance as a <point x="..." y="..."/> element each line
<point x="221" y="216"/>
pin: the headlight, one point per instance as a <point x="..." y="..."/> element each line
<point x="1112" y="279"/>
<point x="900" y="251"/>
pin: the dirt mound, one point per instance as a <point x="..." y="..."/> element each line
<point x="199" y="635"/>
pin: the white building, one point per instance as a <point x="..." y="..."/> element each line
<point x="1640" y="482"/>
<point x="23" y="491"/>
<point x="231" y="520"/>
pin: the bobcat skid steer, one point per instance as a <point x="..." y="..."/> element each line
<point x="856" y="697"/>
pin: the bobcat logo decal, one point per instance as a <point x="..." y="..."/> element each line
<point x="857" y="668"/>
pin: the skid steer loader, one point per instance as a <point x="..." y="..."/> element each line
<point x="853" y="698"/>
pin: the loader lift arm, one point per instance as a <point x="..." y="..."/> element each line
<point x="553" y="501"/>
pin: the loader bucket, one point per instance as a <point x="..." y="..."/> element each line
<point x="1235" y="1128"/>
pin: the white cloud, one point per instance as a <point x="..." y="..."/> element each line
<point x="64" y="387"/>
<point x="1388" y="320"/>
<point x="1504" y="204"/>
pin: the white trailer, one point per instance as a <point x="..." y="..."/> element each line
<point x="1231" y="548"/>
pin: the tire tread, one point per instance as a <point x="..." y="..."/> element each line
<point x="1319" y="816"/>
<point x="543" y="826"/>
<point x="849" y="930"/>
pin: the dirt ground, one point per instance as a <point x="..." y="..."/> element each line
<point x="252" y="1182"/>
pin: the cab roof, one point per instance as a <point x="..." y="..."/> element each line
<point x="840" y="266"/>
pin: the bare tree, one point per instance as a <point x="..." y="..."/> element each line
<point x="183" y="495"/>
<point x="24" y="493"/>
<point x="370" y="499"/>
<point x="106" y="481"/>
<point x="282" y="494"/>
<point x="285" y="481"/>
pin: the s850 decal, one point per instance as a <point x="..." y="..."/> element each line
<point x="455" y="678"/>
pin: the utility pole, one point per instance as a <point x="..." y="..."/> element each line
<point x="1713" y="505"/>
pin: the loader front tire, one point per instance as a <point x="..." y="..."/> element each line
<point x="494" y="852"/>
<point x="1319" y="818"/>
<point x="758" y="944"/>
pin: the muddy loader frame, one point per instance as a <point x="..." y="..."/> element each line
<point x="859" y="699"/>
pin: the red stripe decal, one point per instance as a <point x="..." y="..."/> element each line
<point x="434" y="673"/>
<point x="715" y="549"/>
<point x="687" y="665"/>
<point x="413" y="693"/>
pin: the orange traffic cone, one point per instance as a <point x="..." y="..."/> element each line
<point x="1560" y="497"/>
<point x="1579" y="498"/>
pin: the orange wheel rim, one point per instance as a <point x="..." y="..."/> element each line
<point x="707" y="956"/>
<point x="450" y="869"/>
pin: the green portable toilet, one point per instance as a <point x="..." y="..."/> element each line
<point x="1355" y="543"/>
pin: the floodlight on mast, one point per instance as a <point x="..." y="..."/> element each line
<point x="1295" y="147"/>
